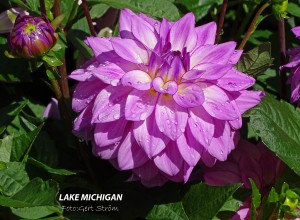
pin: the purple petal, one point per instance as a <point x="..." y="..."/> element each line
<point x="206" y="34"/>
<point x="137" y="79"/>
<point x="208" y="159"/>
<point x="154" y="23"/>
<point x="150" y="175"/>
<point x="98" y="45"/>
<point x="236" y="123"/>
<point x="201" y="125"/>
<point x="226" y="173"/>
<point x="108" y="73"/>
<point x="220" y="54"/>
<point x="176" y="69"/>
<point x="147" y="171"/>
<point x="130" y="154"/>
<point x="222" y="141"/>
<point x="170" y="117"/>
<point x="296" y="31"/>
<point x="182" y="33"/>
<point x="82" y="124"/>
<point x="154" y="64"/>
<point x="189" y="95"/>
<point x="51" y="110"/>
<point x="149" y="137"/>
<point x="212" y="71"/>
<point x="160" y="86"/>
<point x="295" y="84"/>
<point x="144" y="32"/>
<point x="84" y="93"/>
<point x="84" y="74"/>
<point x="110" y="104"/>
<point x="130" y="50"/>
<point x="109" y="133"/>
<point x="192" y="75"/>
<point x="235" y="56"/>
<point x="183" y="175"/>
<point x="125" y="23"/>
<point x="189" y="149"/>
<point x="247" y="99"/>
<point x="107" y="152"/>
<point x="140" y="104"/>
<point x="169" y="160"/>
<point x="235" y="80"/>
<point x="164" y="31"/>
<point x="217" y="103"/>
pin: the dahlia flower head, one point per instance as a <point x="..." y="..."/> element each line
<point x="294" y="64"/>
<point x="246" y="161"/>
<point x="160" y="97"/>
<point x="31" y="37"/>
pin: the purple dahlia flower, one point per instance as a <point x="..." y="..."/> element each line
<point x="294" y="64"/>
<point x="161" y="97"/>
<point x="246" y="161"/>
<point x="31" y="36"/>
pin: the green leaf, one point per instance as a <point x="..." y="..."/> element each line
<point x="199" y="7"/>
<point x="13" y="178"/>
<point x="260" y="36"/>
<point x="167" y="212"/>
<point x="256" y="61"/>
<point x="22" y="144"/>
<point x="48" y="5"/>
<point x="82" y="25"/>
<point x="36" y="193"/>
<point x="153" y="8"/>
<point x="291" y="194"/>
<point x="21" y="4"/>
<point x="34" y="5"/>
<point x="255" y="199"/>
<point x="204" y="202"/>
<point x="273" y="196"/>
<point x="51" y="59"/>
<point x="37" y="212"/>
<point x="76" y="37"/>
<point x="9" y="112"/>
<point x="50" y="169"/>
<point x="36" y="109"/>
<point x="277" y="123"/>
<point x="98" y="10"/>
<point x="5" y="148"/>
<point x="294" y="9"/>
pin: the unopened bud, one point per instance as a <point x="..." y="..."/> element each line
<point x="31" y="37"/>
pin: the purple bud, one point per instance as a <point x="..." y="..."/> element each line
<point x="31" y="36"/>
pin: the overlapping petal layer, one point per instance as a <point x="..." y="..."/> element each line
<point x="294" y="64"/>
<point x="161" y="97"/>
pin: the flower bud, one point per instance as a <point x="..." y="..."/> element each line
<point x="279" y="8"/>
<point x="31" y="37"/>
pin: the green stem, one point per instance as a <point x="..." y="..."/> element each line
<point x="63" y="68"/>
<point x="221" y="20"/>
<point x="282" y="48"/>
<point x="43" y="7"/>
<point x="252" y="25"/>
<point x="88" y="18"/>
